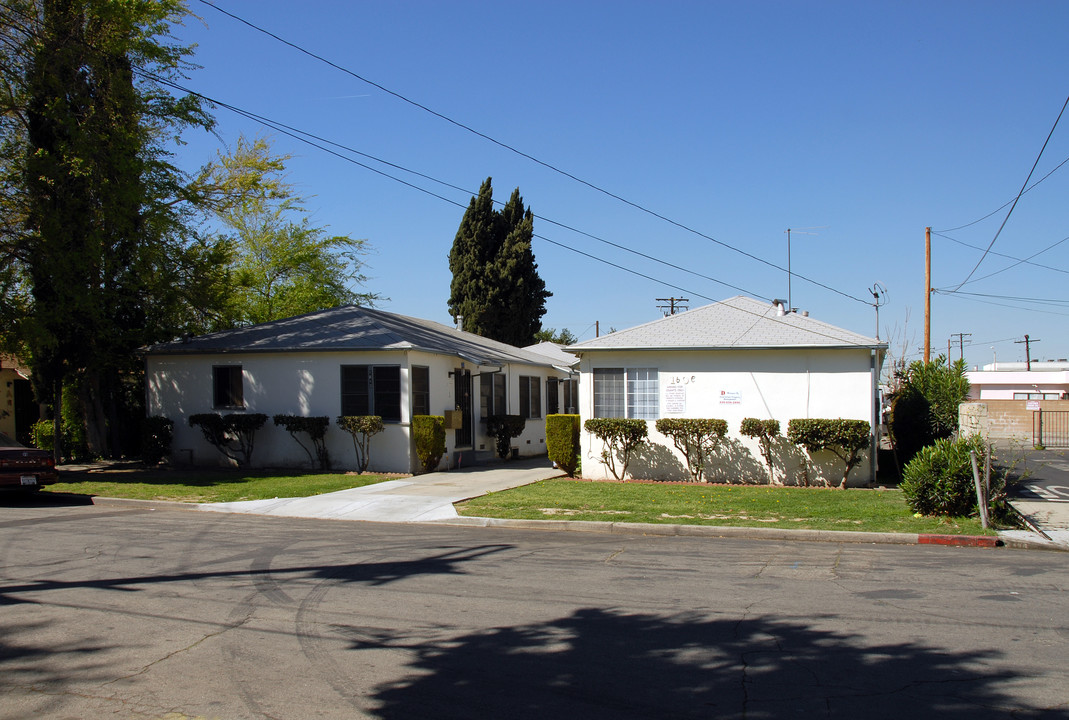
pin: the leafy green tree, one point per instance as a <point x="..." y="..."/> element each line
<point x="925" y="407"/>
<point x="94" y="245"/>
<point x="564" y="337"/>
<point x="282" y="265"/>
<point x="496" y="287"/>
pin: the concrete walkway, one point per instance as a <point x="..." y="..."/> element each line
<point x="1042" y="498"/>
<point x="421" y="498"/>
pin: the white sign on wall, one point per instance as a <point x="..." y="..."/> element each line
<point x="730" y="397"/>
<point x="675" y="399"/>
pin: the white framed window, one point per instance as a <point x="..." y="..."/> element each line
<point x="228" y="386"/>
<point x="492" y="390"/>
<point x="626" y="393"/>
<point x="371" y="390"/>
<point x="530" y="396"/>
<point x="643" y="400"/>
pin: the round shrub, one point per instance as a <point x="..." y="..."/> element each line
<point x="939" y="480"/>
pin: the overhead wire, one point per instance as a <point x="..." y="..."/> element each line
<point x="321" y="144"/>
<point x="525" y="155"/>
<point x="1004" y="205"/>
<point x="1016" y="199"/>
<point x="1017" y="260"/>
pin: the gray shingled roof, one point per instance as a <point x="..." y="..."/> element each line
<point x="738" y="322"/>
<point x="554" y="352"/>
<point x="352" y="328"/>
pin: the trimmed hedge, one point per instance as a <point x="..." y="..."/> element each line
<point x="429" y="432"/>
<point x="504" y="428"/>
<point x="696" y="438"/>
<point x="765" y="432"/>
<point x="362" y="428"/>
<point x="562" y="441"/>
<point x="621" y="437"/>
<point x="233" y="429"/>
<point x="844" y="438"/>
<point x="316" y="428"/>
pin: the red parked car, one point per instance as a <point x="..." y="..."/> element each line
<point x="23" y="468"/>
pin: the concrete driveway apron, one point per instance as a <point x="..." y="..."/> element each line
<point x="421" y="498"/>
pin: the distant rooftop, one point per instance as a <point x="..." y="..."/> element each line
<point x="352" y="328"/>
<point x="738" y="322"/>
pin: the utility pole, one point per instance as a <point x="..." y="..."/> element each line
<point x="1027" y="350"/>
<point x="961" y="345"/>
<point x="671" y="307"/>
<point x="928" y="295"/>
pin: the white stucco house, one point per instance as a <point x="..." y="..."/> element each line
<point x="731" y="360"/>
<point x="353" y="361"/>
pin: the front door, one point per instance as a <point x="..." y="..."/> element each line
<point x="462" y="390"/>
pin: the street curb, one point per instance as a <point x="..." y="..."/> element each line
<point x="835" y="536"/>
<point x="666" y="530"/>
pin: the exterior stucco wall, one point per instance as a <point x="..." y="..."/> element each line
<point x="309" y="384"/>
<point x="1002" y="384"/>
<point x="736" y="384"/>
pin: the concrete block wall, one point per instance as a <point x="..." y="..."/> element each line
<point x="1004" y="419"/>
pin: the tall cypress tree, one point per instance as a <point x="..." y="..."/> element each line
<point x="496" y="287"/>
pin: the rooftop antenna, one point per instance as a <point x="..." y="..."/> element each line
<point x="797" y="231"/>
<point x="879" y="297"/>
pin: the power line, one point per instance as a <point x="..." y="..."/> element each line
<point x="519" y="152"/>
<point x="1005" y="204"/>
<point x="300" y="137"/>
<point x="1018" y="261"/>
<point x="303" y="136"/>
<point x="1019" y="194"/>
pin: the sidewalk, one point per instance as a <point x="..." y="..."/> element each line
<point x="421" y="498"/>
<point x="1042" y="498"/>
<point x="429" y="499"/>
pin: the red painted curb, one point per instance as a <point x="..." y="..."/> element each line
<point x="966" y="540"/>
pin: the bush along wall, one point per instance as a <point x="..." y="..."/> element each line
<point x="562" y="441"/>
<point x="362" y="428"/>
<point x="504" y="428"/>
<point x="843" y="438"/>
<point x="765" y="432"/>
<point x="429" y="431"/>
<point x="316" y="430"/>
<point x="697" y="438"/>
<point x="621" y="437"/>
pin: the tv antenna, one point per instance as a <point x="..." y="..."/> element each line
<point x="879" y="297"/>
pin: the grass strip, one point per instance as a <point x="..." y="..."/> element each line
<point x="741" y="506"/>
<point x="208" y="486"/>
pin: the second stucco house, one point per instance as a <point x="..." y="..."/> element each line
<point x="731" y="360"/>
<point x="353" y="361"/>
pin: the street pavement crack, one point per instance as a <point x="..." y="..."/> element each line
<point x="180" y="651"/>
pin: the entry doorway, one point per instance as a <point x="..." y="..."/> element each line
<point x="462" y="391"/>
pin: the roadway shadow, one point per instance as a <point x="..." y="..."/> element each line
<point x="599" y="663"/>
<point x="450" y="561"/>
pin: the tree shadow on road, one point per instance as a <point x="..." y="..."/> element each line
<point x="449" y="561"/>
<point x="599" y="663"/>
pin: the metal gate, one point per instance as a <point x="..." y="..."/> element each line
<point x="1050" y="428"/>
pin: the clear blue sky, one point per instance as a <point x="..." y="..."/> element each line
<point x="856" y="124"/>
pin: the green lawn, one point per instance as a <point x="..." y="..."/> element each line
<point x="747" y="506"/>
<point x="207" y="486"/>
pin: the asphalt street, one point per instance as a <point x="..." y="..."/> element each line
<point x="142" y="613"/>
